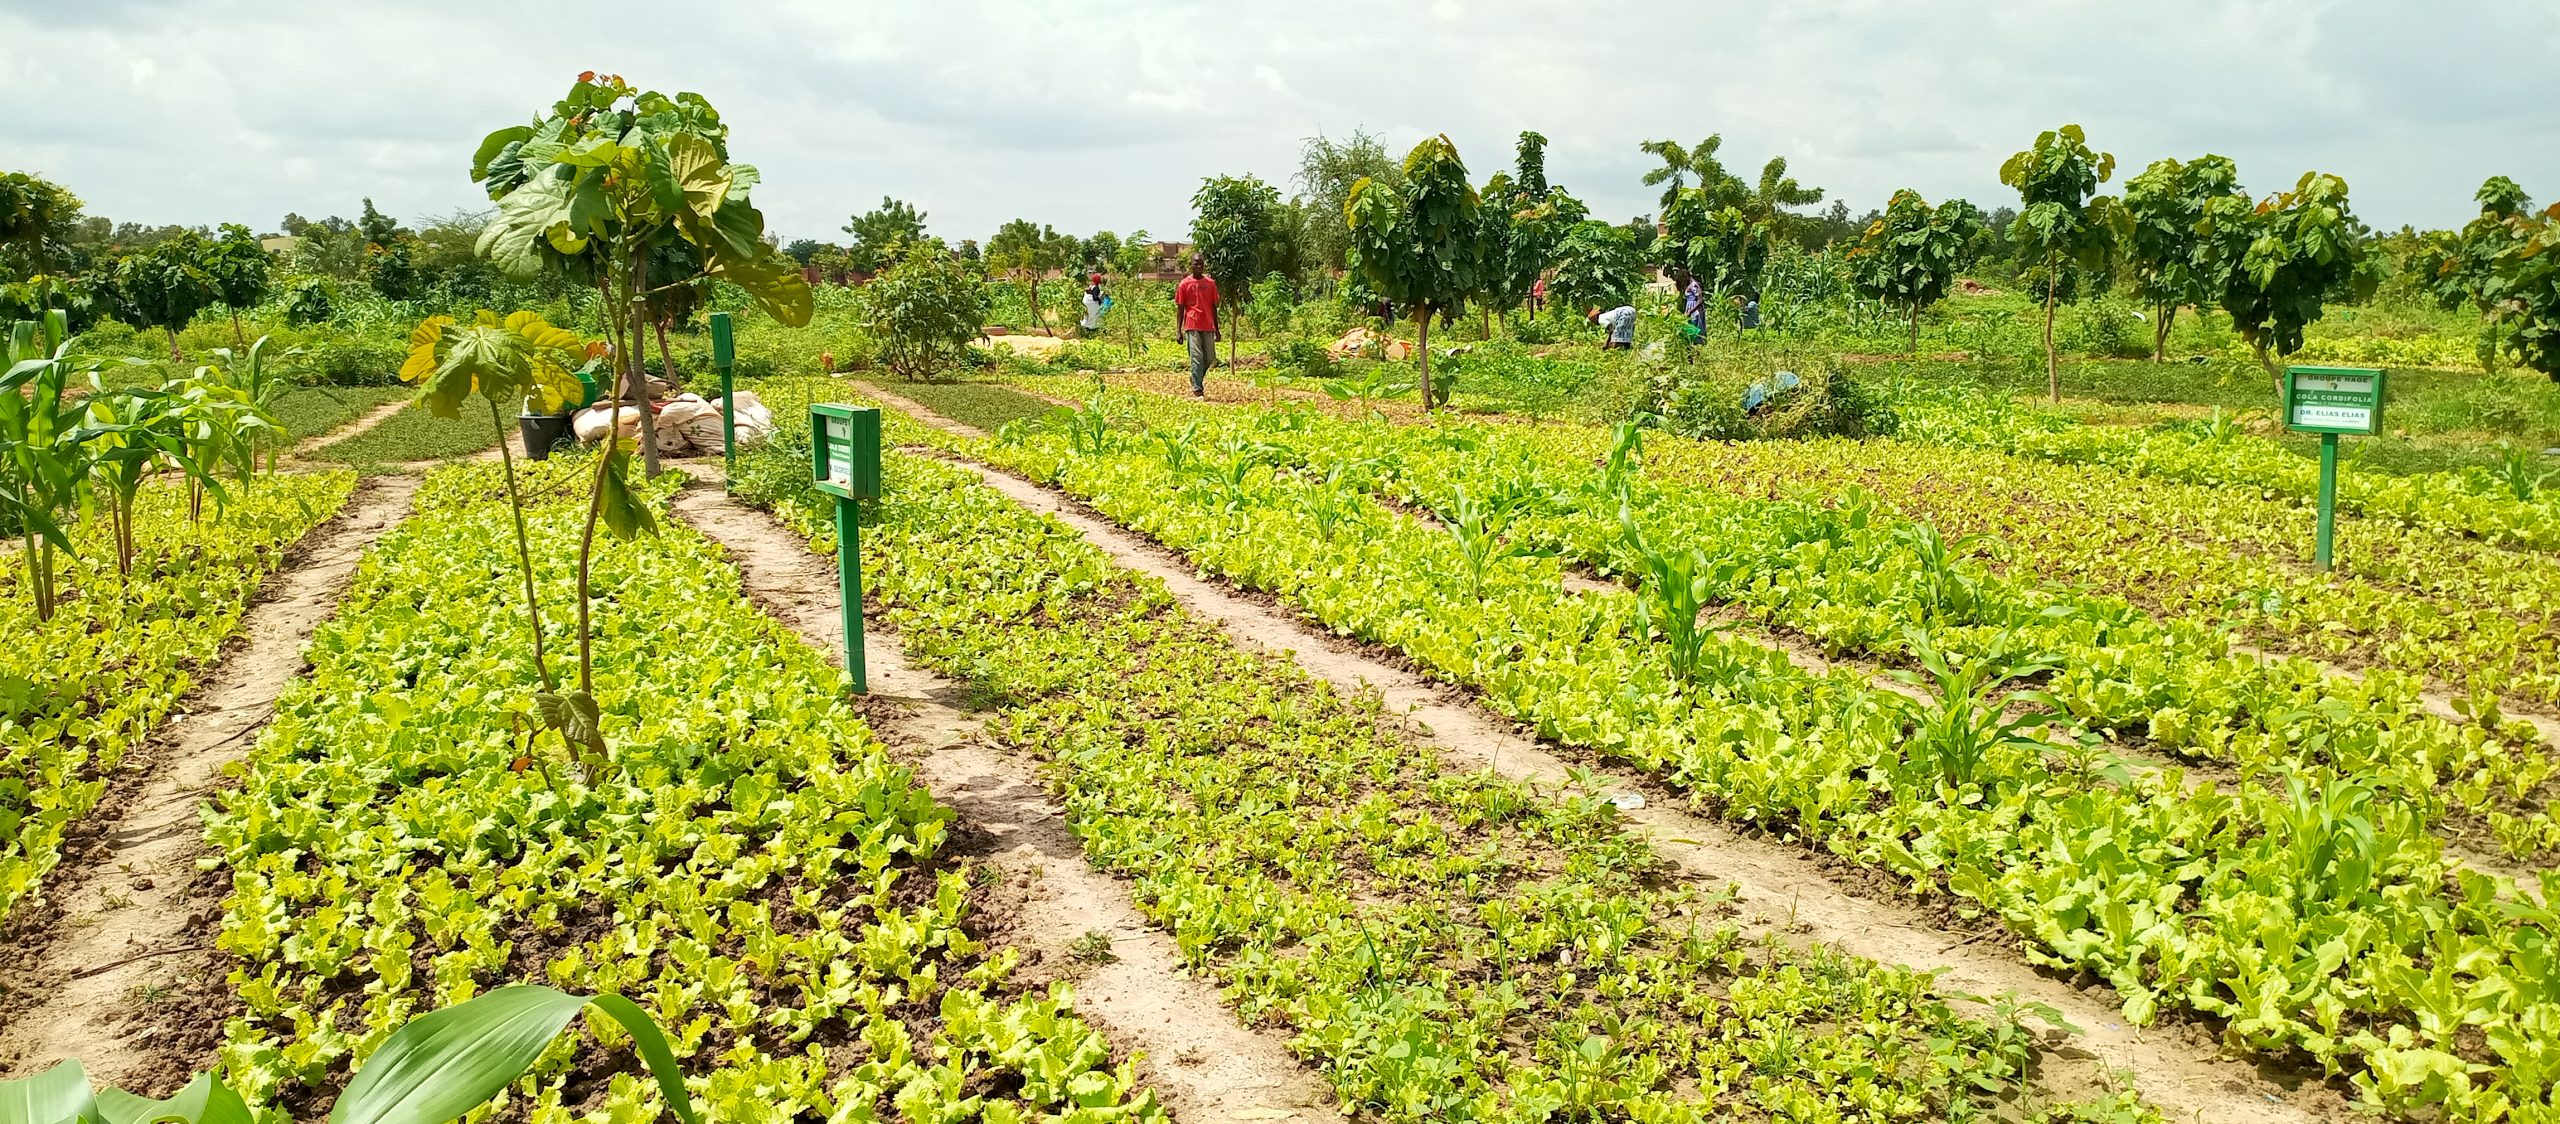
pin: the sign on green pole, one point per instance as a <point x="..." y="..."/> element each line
<point x="844" y="462"/>
<point x="2332" y="402"/>
<point x="724" y="355"/>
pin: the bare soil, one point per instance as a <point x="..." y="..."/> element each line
<point x="1071" y="919"/>
<point x="1776" y="883"/>
<point x="117" y="967"/>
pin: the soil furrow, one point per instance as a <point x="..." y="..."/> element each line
<point x="111" y="968"/>
<point x="1129" y="979"/>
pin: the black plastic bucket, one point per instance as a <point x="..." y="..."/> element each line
<point x="541" y="432"/>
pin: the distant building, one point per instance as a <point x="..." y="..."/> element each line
<point x="279" y="244"/>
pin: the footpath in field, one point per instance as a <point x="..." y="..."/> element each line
<point x="1781" y="889"/>
<point x="1132" y="986"/>
<point x="110" y="975"/>
<point x="310" y="446"/>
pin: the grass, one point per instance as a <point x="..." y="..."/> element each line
<point x="316" y="410"/>
<point x="974" y="403"/>
<point x="417" y="435"/>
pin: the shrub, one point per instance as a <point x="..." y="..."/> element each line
<point x="924" y="311"/>
<point x="1825" y="400"/>
<point x="1304" y="357"/>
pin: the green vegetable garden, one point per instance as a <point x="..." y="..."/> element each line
<point x="1900" y="686"/>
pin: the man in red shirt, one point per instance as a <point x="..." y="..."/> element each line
<point x="1196" y="302"/>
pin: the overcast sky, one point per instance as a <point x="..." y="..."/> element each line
<point x="1107" y="115"/>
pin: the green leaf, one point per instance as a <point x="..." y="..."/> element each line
<point x="205" y="1100"/>
<point x="54" y="1096"/>
<point x="699" y="174"/>
<point x="624" y="513"/>
<point x="494" y="144"/>
<point x="448" y="1062"/>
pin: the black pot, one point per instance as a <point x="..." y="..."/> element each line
<point x="541" y="432"/>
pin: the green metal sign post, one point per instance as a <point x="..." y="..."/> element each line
<point x="2332" y="402"/>
<point x="724" y="355"/>
<point x="844" y="462"/>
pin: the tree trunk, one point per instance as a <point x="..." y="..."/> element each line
<point x="640" y="369"/>
<point x="2160" y="332"/>
<point x="524" y="551"/>
<point x="174" y="356"/>
<point x="1230" y="326"/>
<point x="2489" y="365"/>
<point x="2052" y="363"/>
<point x="1915" y="331"/>
<point x="666" y="355"/>
<point x="2275" y="377"/>
<point x="1037" y="320"/>
<point x="1424" y="350"/>
<point x="237" y="339"/>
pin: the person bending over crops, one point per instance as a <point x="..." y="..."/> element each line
<point x="1095" y="304"/>
<point x="1196" y="305"/>
<point x="1619" y="322"/>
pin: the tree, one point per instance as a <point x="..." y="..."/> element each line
<point x="237" y="266"/>
<point x="1770" y="202"/>
<point x="1026" y="253"/>
<point x="2463" y="268"/>
<point x="379" y="229"/>
<point x="2055" y="224"/>
<point x="1597" y="266"/>
<point x="2159" y="224"/>
<point x="1530" y="167"/>
<point x="524" y="358"/>
<point x="1135" y="256"/>
<point x="1419" y="245"/>
<point x="803" y="249"/>
<point x="2274" y="265"/>
<point x="166" y="286"/>
<point x="37" y="219"/>
<point x="585" y="192"/>
<point x="1231" y="227"/>
<point x="1327" y="171"/>
<point x="1725" y="248"/>
<point x="924" y="310"/>
<point x="1699" y="161"/>
<point x="879" y="232"/>
<point x="1910" y="257"/>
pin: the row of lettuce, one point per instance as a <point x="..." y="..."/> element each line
<point x="2471" y="615"/>
<point x="2499" y="507"/>
<point x="80" y="690"/>
<point x="752" y="868"/>
<point x="2310" y="908"/>
<point x="1444" y="945"/>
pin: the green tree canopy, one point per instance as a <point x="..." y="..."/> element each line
<point x="879" y="232"/>
<point x="238" y="268"/>
<point x="1597" y="266"/>
<point x="1910" y="256"/>
<point x="166" y="286"/>
<point x="1327" y="171"/>
<point x="2458" y="268"/>
<point x="2057" y="222"/>
<point x="924" y="310"/>
<point x="2161" y="231"/>
<point x="1420" y="245"/>
<point x="2277" y="263"/>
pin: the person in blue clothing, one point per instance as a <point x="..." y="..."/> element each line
<point x="1693" y="303"/>
<point x="1619" y="323"/>
<point x="1750" y="310"/>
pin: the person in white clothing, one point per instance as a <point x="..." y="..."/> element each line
<point x="1094" y="304"/>
<point x="1619" y="322"/>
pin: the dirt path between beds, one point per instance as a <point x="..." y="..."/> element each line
<point x="1077" y="920"/>
<point x="109" y="972"/>
<point x="2180" y="1069"/>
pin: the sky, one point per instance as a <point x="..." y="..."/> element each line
<point x="1107" y="115"/>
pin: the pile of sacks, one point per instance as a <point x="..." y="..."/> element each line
<point x="687" y="424"/>
<point x="1362" y="341"/>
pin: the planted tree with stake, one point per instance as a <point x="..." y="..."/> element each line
<point x="2276" y="264"/>
<point x="2057" y="223"/>
<point x="1910" y="256"/>
<point x="1419" y="245"/>
<point x="589" y="190"/>
<point x="2160" y="228"/>
<point x="1230" y="227"/>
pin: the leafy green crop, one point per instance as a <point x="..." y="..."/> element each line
<point x="79" y="690"/>
<point x="2186" y="898"/>
<point x="756" y="873"/>
<point x="1447" y="946"/>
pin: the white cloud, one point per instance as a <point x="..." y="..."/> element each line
<point x="1106" y="114"/>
